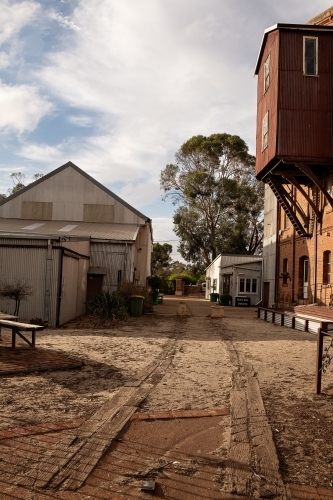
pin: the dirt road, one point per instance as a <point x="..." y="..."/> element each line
<point x="168" y="369"/>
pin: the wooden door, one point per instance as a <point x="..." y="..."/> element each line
<point x="94" y="286"/>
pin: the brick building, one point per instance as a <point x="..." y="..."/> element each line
<point x="295" y="159"/>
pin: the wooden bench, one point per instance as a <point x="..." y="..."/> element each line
<point x="17" y="329"/>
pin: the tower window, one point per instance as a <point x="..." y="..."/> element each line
<point x="265" y="132"/>
<point x="310" y="53"/>
<point x="266" y="73"/>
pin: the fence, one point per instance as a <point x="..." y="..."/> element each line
<point x="288" y="299"/>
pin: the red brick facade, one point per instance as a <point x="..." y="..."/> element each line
<point x="293" y="251"/>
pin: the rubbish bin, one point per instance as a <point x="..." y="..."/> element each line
<point x="136" y="303"/>
<point x="213" y="297"/>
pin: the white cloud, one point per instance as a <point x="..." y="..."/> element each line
<point x="14" y="16"/>
<point x="42" y="153"/>
<point x="64" y="21"/>
<point x="21" y="108"/>
<point x="80" y="120"/>
<point x="140" y="194"/>
<point x="4" y="60"/>
<point x="163" y="233"/>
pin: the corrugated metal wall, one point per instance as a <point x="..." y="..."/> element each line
<point x="25" y="260"/>
<point x="115" y="257"/>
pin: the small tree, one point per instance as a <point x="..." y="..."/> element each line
<point x="17" y="291"/>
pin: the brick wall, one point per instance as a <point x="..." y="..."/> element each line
<point x="297" y="249"/>
<point x="192" y="290"/>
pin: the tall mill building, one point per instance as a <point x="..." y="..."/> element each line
<point x="294" y="151"/>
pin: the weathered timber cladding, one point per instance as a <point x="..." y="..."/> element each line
<point x="268" y="101"/>
<point x="300" y="106"/>
<point x="305" y="102"/>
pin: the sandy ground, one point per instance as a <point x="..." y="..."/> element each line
<point x="200" y="377"/>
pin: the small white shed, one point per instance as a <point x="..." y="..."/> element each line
<point x="237" y="275"/>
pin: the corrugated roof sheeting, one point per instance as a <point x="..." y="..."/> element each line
<point x="22" y="241"/>
<point x="117" y="232"/>
<point x="229" y="260"/>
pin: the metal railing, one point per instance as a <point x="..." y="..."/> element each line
<point x="288" y="299"/>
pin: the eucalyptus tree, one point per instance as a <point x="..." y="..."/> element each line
<point x="219" y="202"/>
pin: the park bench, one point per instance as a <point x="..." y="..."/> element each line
<point x="17" y="329"/>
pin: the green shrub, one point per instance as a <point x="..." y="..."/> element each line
<point x="126" y="289"/>
<point x="155" y="282"/>
<point x="108" y="306"/>
<point x="188" y="278"/>
<point x="225" y="299"/>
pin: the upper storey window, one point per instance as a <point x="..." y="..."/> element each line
<point x="265" y="132"/>
<point x="266" y="73"/>
<point x="310" y="53"/>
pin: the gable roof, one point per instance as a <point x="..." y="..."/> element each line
<point x="69" y="164"/>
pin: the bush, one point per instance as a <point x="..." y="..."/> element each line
<point x="188" y="278"/>
<point x="225" y="299"/>
<point x="155" y="282"/>
<point x="108" y="306"/>
<point x="126" y="289"/>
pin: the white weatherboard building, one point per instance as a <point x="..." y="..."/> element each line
<point x="235" y="275"/>
<point x="68" y="237"/>
<point x="269" y="247"/>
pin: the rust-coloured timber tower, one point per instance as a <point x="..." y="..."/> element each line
<point x="294" y="141"/>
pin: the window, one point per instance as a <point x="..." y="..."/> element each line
<point x="285" y="272"/>
<point x="286" y="222"/>
<point x="310" y="52"/>
<point x="327" y="268"/>
<point x="266" y="73"/>
<point x="265" y="132"/>
<point x="119" y="276"/>
<point x="248" y="285"/>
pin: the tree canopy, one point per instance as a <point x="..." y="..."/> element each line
<point x="19" y="182"/>
<point x="219" y="202"/>
<point x="160" y="259"/>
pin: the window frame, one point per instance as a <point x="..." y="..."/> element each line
<point x="285" y="271"/>
<point x="247" y="283"/>
<point x="265" y="129"/>
<point x="327" y="260"/>
<point x="267" y="73"/>
<point x="315" y="39"/>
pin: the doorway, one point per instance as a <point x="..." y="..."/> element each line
<point x="266" y="294"/>
<point x="226" y="284"/>
<point x="303" y="291"/>
<point x="305" y="278"/>
<point x="94" y="286"/>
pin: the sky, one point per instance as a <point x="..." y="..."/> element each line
<point x="117" y="86"/>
